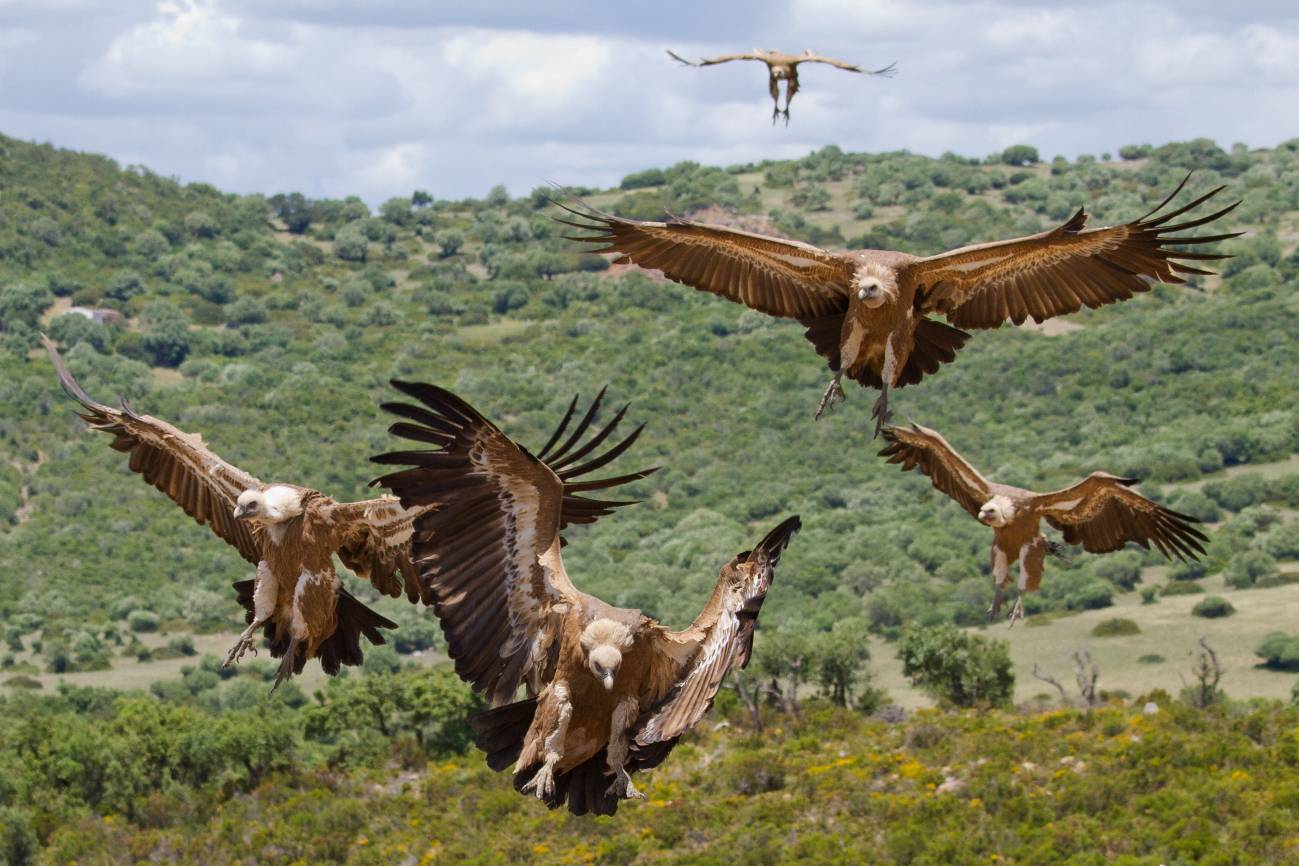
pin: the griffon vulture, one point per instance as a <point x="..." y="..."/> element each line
<point x="783" y="67"/>
<point x="870" y="312"/>
<point x="608" y="690"/>
<point x="289" y="533"/>
<point x="1102" y="512"/>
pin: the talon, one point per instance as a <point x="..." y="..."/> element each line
<point x="880" y="412"/>
<point x="833" y="394"/>
<point x="1016" y="612"/>
<point x="242" y="646"/>
<point x="542" y="784"/>
<point x="623" y="787"/>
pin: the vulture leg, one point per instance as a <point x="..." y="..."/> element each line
<point x="623" y="716"/>
<point x="774" y="86"/>
<point x="1016" y="612"/>
<point x="543" y="783"/>
<point x="1000" y="576"/>
<point x="243" y="644"/>
<point x="833" y="394"/>
<point x="880" y="411"/>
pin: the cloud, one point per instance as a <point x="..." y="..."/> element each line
<point x="333" y="98"/>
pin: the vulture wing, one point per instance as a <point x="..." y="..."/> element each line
<point x="488" y="548"/>
<point x="719" y="640"/>
<point x="375" y="544"/>
<point x="775" y="276"/>
<point x="1062" y="270"/>
<point x="175" y="462"/>
<point x="887" y="71"/>
<point x="920" y="446"/>
<point x="1103" y="513"/>
<point x="713" y="61"/>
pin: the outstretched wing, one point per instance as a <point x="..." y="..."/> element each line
<point x="375" y="545"/>
<point x="920" y="446"/>
<point x="175" y="462"/>
<point x="772" y="275"/>
<point x="886" y="71"/>
<point x="712" y="61"/>
<point x="488" y="548"/>
<point x="719" y="640"/>
<point x="1103" y="513"/>
<point x="1062" y="270"/>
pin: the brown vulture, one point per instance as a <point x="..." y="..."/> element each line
<point x="608" y="691"/>
<point x="1102" y="512"/>
<point x="783" y="67"/>
<point x="870" y="312"/>
<point x="289" y="533"/>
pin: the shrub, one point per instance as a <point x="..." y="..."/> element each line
<point x="182" y="645"/>
<point x="1186" y="587"/>
<point x="1020" y="154"/>
<point x="351" y="243"/>
<point x="1213" y="607"/>
<point x="1191" y="569"/>
<point x="1091" y="596"/>
<point x="1279" y="650"/>
<point x="1247" y="567"/>
<point x="1151" y="659"/>
<point x="1149" y="594"/>
<point x="1116" y="627"/>
<point x="957" y="667"/>
<point x="449" y="242"/>
<point x="247" y="311"/>
<point x="143" y="620"/>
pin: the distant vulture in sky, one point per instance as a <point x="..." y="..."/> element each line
<point x="289" y="533"/>
<point x="608" y="690"/>
<point x="1102" y="512"/>
<point x="869" y="311"/>
<point x="783" y="67"/>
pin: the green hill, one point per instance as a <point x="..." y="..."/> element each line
<point x="271" y="326"/>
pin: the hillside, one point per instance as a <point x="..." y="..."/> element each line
<point x="272" y="324"/>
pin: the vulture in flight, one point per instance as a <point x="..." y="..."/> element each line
<point x="607" y="690"/>
<point x="1102" y="512"/>
<point x="871" y="313"/>
<point x="783" y="67"/>
<point x="289" y="533"/>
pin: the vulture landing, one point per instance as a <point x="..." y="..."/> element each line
<point x="873" y="314"/>
<point x="607" y="690"/>
<point x="1102" y="512"/>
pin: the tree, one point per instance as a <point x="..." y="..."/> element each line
<point x="199" y="224"/>
<point x="840" y="657"/>
<point x="166" y="333"/>
<point x="957" y="667"/>
<point x="23" y="303"/>
<point x="449" y="243"/>
<point x="397" y="211"/>
<point x="1019" y="154"/>
<point x="421" y="198"/>
<point x="295" y="209"/>
<point x="497" y="196"/>
<point x="351" y="243"/>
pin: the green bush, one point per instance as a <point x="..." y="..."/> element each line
<point x="1151" y="659"/>
<point x="1183" y="587"/>
<point x="1279" y="650"/>
<point x="143" y="620"/>
<point x="957" y="667"/>
<point x="1116" y="627"/>
<point x="1213" y="607"/>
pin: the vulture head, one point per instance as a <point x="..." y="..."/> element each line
<point x="873" y="286"/>
<point x="604" y="641"/>
<point x="997" y="511"/>
<point x="275" y="504"/>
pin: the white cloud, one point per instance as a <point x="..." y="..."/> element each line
<point x="332" y="99"/>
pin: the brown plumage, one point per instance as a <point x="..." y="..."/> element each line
<point x="783" y="67"/>
<point x="870" y="312"/>
<point x="1102" y="512"/>
<point x="608" y="690"/>
<point x="289" y="533"/>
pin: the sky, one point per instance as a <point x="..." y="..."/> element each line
<point x="382" y="97"/>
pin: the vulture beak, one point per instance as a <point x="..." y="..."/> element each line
<point x="608" y="682"/>
<point x="240" y="512"/>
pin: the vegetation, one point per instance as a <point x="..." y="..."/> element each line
<point x="1116" y="627"/>
<point x="271" y="326"/>
<point x="1213" y="606"/>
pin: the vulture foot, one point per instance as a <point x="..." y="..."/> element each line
<point x="622" y="787"/>
<point x="1016" y="612"/>
<point x="880" y="411"/>
<point x="833" y="394"/>
<point x="542" y="784"/>
<point x="995" y="607"/>
<point x="243" y="645"/>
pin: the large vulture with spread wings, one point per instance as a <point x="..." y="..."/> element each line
<point x="608" y="690"/>
<point x="871" y="313"/>
<point x="289" y="533"/>
<point x="783" y="67"/>
<point x="1102" y="512"/>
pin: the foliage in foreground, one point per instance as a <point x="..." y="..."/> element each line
<point x="1113" y="785"/>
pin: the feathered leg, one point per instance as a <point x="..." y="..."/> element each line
<point x="1000" y="576"/>
<point x="623" y="715"/>
<point x="543" y="783"/>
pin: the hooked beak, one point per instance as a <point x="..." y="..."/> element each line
<point x="239" y="512"/>
<point x="608" y="682"/>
